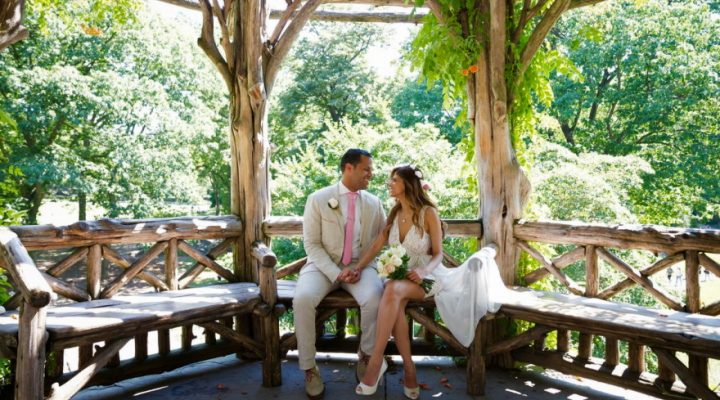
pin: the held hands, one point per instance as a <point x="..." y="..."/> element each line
<point x="349" y="275"/>
<point x="415" y="275"/>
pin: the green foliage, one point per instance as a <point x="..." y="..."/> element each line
<point x="109" y="109"/>
<point x="329" y="76"/>
<point x="418" y="102"/>
<point x="441" y="51"/>
<point x="586" y="187"/>
<point x="650" y="89"/>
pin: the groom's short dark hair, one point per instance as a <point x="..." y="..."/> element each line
<point x="353" y="157"/>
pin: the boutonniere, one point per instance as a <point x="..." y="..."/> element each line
<point x="333" y="203"/>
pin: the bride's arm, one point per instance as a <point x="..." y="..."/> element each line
<point x="371" y="252"/>
<point x="434" y="229"/>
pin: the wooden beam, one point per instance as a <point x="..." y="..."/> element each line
<point x="135" y="269"/>
<point x="644" y="237"/>
<point x="189" y="276"/>
<point x="22" y="268"/>
<point x="98" y="361"/>
<point x="560" y="262"/>
<point x="519" y="340"/>
<point x="115" y="258"/>
<point x="649" y="271"/>
<point x="690" y="380"/>
<point x="106" y="231"/>
<point x="641" y="280"/>
<point x="229" y="334"/>
<point x="441" y="331"/>
<point x="195" y="6"/>
<point x="207" y="261"/>
<point x="293" y="226"/>
<point x="564" y="279"/>
<point x="349" y="16"/>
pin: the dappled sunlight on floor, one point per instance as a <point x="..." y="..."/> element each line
<point x="440" y="378"/>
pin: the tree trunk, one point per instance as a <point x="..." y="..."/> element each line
<point x="503" y="186"/>
<point x="82" y="206"/>
<point x="34" y="196"/>
<point x="250" y="195"/>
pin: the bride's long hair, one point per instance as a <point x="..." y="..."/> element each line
<point x="416" y="196"/>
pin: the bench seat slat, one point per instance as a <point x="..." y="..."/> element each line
<point x="336" y="299"/>
<point x="665" y="328"/>
<point x="141" y="312"/>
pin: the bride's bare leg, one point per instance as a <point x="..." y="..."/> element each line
<point x="395" y="295"/>
<point x="403" y="344"/>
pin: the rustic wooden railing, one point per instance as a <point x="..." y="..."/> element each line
<point x="591" y="243"/>
<point x="94" y="247"/>
<point x="591" y="246"/>
<point x="93" y="250"/>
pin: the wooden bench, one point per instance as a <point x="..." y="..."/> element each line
<point x="664" y="331"/>
<point x="36" y="335"/>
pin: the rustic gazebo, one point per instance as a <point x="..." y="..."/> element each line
<point x="248" y="57"/>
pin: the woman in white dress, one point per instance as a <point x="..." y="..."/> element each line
<point x="414" y="223"/>
<point x="463" y="295"/>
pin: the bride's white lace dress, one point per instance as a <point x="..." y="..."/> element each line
<point x="463" y="295"/>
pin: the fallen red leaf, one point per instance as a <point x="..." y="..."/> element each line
<point x="424" y="386"/>
<point x="443" y="380"/>
<point x="447" y="385"/>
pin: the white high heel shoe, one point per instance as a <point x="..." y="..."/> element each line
<point x="411" y="394"/>
<point x="367" y="390"/>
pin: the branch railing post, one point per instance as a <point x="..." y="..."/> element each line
<point x="32" y="336"/>
<point x="270" y="322"/>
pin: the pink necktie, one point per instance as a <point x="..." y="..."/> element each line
<point x="349" y="229"/>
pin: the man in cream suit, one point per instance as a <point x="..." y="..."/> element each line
<point x="340" y="221"/>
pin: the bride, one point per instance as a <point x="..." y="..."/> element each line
<point x="414" y="223"/>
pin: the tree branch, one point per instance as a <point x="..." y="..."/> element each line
<point x="282" y="22"/>
<point x="583" y="3"/>
<point x="436" y="9"/>
<point x="206" y="41"/>
<point x="286" y="40"/>
<point x="540" y="32"/>
<point x="11" y="28"/>
<point x="220" y="13"/>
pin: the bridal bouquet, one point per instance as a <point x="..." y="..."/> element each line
<point x="393" y="264"/>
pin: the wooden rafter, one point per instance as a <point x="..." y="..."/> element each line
<point x="371" y="16"/>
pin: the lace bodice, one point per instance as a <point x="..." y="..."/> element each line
<point x="416" y="243"/>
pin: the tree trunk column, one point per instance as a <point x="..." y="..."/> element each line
<point x="502" y="184"/>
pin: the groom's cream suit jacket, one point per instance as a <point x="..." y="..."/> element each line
<point x="324" y="228"/>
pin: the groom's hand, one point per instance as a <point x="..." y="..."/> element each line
<point x="348" y="275"/>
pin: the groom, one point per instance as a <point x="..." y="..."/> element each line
<point x="340" y="221"/>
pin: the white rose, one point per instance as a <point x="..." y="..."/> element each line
<point x="333" y="203"/>
<point x="395" y="260"/>
<point x="388" y="269"/>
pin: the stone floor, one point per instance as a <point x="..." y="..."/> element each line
<point x="230" y="378"/>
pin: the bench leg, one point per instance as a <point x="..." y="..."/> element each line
<point x="271" y="362"/>
<point x="30" y="372"/>
<point x="476" y="361"/>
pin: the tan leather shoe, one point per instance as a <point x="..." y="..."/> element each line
<point x="314" y="386"/>
<point x="363" y="360"/>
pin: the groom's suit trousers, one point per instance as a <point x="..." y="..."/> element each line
<point x="312" y="287"/>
